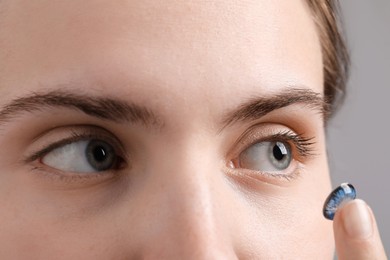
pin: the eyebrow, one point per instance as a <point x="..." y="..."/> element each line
<point x="258" y="107"/>
<point x="99" y="107"/>
<point x="119" y="111"/>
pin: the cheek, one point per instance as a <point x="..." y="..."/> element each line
<point x="41" y="224"/>
<point x="32" y="237"/>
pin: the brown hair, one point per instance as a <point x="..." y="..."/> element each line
<point x="326" y="15"/>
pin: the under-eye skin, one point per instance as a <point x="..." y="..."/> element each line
<point x="276" y="155"/>
<point x="342" y="194"/>
<point x="81" y="153"/>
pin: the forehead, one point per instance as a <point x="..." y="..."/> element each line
<point x="207" y="46"/>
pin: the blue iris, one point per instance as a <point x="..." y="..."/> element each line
<point x="343" y="193"/>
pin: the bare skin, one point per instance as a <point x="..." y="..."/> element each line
<point x="180" y="187"/>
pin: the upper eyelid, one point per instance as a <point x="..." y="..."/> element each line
<point x="268" y="132"/>
<point x="76" y="136"/>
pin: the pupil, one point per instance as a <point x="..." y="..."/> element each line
<point x="99" y="153"/>
<point x="279" y="151"/>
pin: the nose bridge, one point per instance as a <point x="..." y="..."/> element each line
<point x="192" y="219"/>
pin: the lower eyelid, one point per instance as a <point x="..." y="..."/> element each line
<point x="294" y="171"/>
<point x="52" y="179"/>
<point x="261" y="181"/>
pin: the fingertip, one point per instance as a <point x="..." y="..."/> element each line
<point x="357" y="220"/>
<point x="356" y="232"/>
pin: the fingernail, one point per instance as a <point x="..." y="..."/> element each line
<point x="357" y="220"/>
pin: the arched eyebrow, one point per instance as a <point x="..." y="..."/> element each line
<point x="260" y="106"/>
<point x="100" y="107"/>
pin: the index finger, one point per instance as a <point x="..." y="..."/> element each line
<point x="356" y="232"/>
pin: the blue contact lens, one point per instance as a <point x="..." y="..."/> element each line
<point x="343" y="193"/>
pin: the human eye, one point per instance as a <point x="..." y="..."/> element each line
<point x="266" y="156"/>
<point x="82" y="152"/>
<point x="84" y="156"/>
<point x="273" y="153"/>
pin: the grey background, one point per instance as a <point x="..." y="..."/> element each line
<point x="359" y="134"/>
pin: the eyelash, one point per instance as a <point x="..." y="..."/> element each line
<point x="303" y="145"/>
<point x="300" y="143"/>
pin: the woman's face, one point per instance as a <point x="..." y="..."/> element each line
<point x="161" y="129"/>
